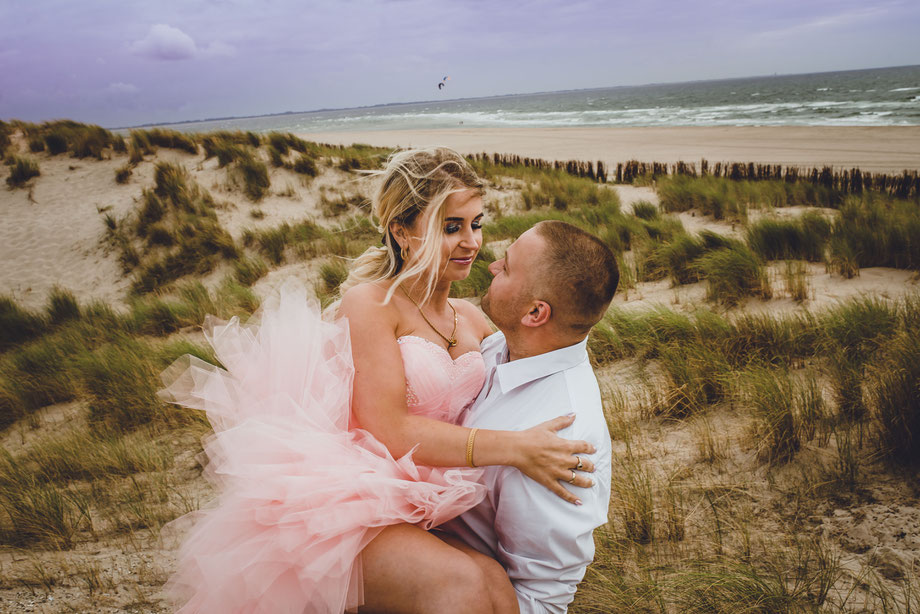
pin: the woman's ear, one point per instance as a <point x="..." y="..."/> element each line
<point x="399" y="233"/>
<point x="539" y="314"/>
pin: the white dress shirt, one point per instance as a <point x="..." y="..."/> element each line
<point x="544" y="542"/>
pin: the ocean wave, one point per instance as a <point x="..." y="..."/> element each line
<point x="858" y="98"/>
<point x="780" y="113"/>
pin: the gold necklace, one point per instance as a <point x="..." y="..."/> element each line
<point x="452" y="340"/>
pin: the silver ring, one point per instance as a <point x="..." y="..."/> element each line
<point x="579" y="464"/>
<point x="574" y="475"/>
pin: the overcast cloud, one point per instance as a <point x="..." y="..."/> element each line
<point x="120" y="62"/>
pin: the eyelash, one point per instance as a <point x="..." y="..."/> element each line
<point x="452" y="228"/>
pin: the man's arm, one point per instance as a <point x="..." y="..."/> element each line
<point x="545" y="543"/>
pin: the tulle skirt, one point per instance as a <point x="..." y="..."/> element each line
<point x="302" y="490"/>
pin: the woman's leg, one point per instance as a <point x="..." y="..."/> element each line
<point x="408" y="570"/>
<point x="504" y="599"/>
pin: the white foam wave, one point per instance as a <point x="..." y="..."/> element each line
<point x="904" y="89"/>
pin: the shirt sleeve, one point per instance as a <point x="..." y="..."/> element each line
<point x="544" y="542"/>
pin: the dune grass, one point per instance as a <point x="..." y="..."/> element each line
<point x="680" y="257"/>
<point x="120" y="384"/>
<point x="339" y="204"/>
<point x="772" y="395"/>
<point x="225" y="145"/>
<point x="803" y="238"/>
<point x="872" y="231"/>
<point x="894" y="395"/>
<point x="249" y="270"/>
<point x="356" y="157"/>
<point x="307" y="239"/>
<point x="332" y="273"/>
<point x="60" y="136"/>
<point x="284" y="142"/>
<point x="17" y="325"/>
<point x="305" y="165"/>
<point x="91" y="352"/>
<point x="254" y="175"/>
<point x="695" y="377"/>
<point x="795" y="280"/>
<point x="22" y="169"/>
<point x="645" y="210"/>
<point x="161" y="137"/>
<point x="36" y="144"/>
<point x="734" y="273"/>
<point x="62" y="307"/>
<point x="176" y="215"/>
<point x="6" y="131"/>
<point x="123" y="173"/>
<point x="560" y="191"/>
<point x="725" y="198"/>
<point x="36" y="511"/>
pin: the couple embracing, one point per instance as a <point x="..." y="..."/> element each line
<point x="404" y="457"/>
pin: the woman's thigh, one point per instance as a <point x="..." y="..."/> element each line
<point x="409" y="570"/>
<point x="502" y="592"/>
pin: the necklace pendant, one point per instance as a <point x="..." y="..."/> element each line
<point x="451" y="342"/>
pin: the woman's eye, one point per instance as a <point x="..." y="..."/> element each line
<point x="477" y="225"/>
<point x="451" y="229"/>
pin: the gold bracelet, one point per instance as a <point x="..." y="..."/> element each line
<point x="469" y="447"/>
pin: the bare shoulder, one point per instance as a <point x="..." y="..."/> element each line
<point x="366" y="301"/>
<point x="474" y="315"/>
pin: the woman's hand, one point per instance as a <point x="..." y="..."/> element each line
<point x="550" y="460"/>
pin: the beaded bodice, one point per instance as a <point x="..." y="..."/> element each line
<point x="437" y="385"/>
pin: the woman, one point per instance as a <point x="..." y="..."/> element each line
<point x="319" y="485"/>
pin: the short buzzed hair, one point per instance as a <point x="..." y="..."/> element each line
<point x="579" y="276"/>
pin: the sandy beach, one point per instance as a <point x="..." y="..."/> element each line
<point x="889" y="149"/>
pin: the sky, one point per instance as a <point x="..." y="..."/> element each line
<point x="124" y="62"/>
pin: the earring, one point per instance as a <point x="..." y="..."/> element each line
<point x="404" y="253"/>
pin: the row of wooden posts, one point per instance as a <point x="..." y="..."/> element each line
<point x="849" y="181"/>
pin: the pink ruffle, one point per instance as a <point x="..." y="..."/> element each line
<point x="301" y="493"/>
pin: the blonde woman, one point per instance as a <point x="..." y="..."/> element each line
<point x="336" y="445"/>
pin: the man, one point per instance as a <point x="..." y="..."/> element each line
<point x="554" y="283"/>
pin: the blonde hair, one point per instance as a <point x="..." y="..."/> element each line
<point x="415" y="184"/>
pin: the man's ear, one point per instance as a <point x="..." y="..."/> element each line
<point x="539" y="314"/>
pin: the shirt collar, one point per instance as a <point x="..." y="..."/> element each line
<point x="525" y="370"/>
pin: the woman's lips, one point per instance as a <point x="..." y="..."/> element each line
<point x="463" y="261"/>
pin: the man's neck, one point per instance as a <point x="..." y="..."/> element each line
<point x="525" y="346"/>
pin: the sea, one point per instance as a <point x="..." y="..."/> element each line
<point x="873" y="97"/>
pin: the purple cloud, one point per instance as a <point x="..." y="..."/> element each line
<point x="120" y="88"/>
<point x="164" y="42"/>
<point x="59" y="58"/>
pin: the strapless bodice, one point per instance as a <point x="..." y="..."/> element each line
<point x="437" y="385"/>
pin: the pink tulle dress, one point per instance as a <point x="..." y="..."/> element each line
<point x="302" y="488"/>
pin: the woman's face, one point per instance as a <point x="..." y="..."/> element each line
<point x="461" y="234"/>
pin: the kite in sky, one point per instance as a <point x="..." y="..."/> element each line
<point x="443" y="83"/>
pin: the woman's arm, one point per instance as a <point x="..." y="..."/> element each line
<point x="379" y="403"/>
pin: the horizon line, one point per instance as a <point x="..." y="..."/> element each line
<point x="577" y="89"/>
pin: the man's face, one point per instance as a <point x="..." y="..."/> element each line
<point x="511" y="290"/>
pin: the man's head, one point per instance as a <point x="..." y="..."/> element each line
<point x="555" y="282"/>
